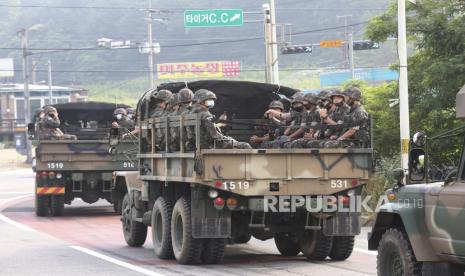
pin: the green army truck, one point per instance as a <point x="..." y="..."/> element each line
<point x="420" y="230"/>
<point x="82" y="168"/>
<point x="198" y="201"/>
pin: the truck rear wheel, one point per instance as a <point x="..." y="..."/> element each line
<point x="395" y="255"/>
<point x="42" y="205"/>
<point x="342" y="248"/>
<point x="57" y="205"/>
<point x="161" y="228"/>
<point x="213" y="250"/>
<point x="315" y="245"/>
<point x="286" y="244"/>
<point x="135" y="233"/>
<point x="186" y="249"/>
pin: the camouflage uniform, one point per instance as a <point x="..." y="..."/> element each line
<point x="48" y="126"/>
<point x="120" y="117"/>
<point x="297" y="120"/>
<point x="311" y="117"/>
<point x="358" y="119"/>
<point x="276" y="129"/>
<point x="338" y="115"/>
<point x="209" y="133"/>
<point x="158" y="111"/>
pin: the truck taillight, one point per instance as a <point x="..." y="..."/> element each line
<point x="345" y="200"/>
<point x="51" y="175"/>
<point x="219" y="203"/>
<point x="231" y="203"/>
<point x="42" y="175"/>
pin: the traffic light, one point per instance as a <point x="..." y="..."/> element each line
<point x="300" y="49"/>
<point x="365" y="45"/>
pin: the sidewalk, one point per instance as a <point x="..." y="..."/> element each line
<point x="11" y="160"/>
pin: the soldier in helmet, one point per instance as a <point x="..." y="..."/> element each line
<point x="186" y="96"/>
<point x="173" y="105"/>
<point x="264" y="136"/>
<point x="119" y="116"/>
<point x="296" y="124"/>
<point x="49" y="126"/>
<point x="357" y="118"/>
<point x="161" y="100"/>
<point x="311" y="119"/>
<point x="210" y="134"/>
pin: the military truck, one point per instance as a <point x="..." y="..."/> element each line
<point x="82" y="168"/>
<point x="197" y="201"/>
<point x="421" y="229"/>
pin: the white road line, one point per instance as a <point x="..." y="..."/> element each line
<point x="16" y="224"/>
<point x="374" y="253"/>
<point x="15" y="193"/>
<point x="117" y="262"/>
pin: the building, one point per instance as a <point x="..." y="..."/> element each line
<point x="12" y="103"/>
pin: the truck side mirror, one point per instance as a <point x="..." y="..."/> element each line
<point x="417" y="165"/>
<point x="419" y="139"/>
<point x="114" y="136"/>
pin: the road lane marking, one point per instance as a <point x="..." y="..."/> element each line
<point x="117" y="262"/>
<point x="15" y="193"/>
<point x="374" y="253"/>
<point x="16" y="224"/>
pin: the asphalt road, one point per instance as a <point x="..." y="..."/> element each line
<point x="88" y="240"/>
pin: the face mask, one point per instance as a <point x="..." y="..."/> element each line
<point x="130" y="116"/>
<point x="119" y="116"/>
<point x="298" y="108"/>
<point x="210" y="103"/>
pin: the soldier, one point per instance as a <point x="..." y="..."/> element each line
<point x="265" y="136"/>
<point x="49" y="126"/>
<point x="311" y="118"/>
<point x="160" y="99"/>
<point x="173" y="106"/>
<point x="120" y="118"/>
<point x="333" y="117"/>
<point x="293" y="132"/>
<point x="210" y="134"/>
<point x="186" y="96"/>
<point x="358" y="120"/>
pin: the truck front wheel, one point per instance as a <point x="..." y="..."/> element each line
<point x="315" y="245"/>
<point x="395" y="255"/>
<point x="342" y="248"/>
<point x="186" y="249"/>
<point x="58" y="205"/>
<point x="42" y="205"/>
<point x="286" y="244"/>
<point x="161" y="228"/>
<point x="135" y="233"/>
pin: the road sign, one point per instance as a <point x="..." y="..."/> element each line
<point x="213" y="18"/>
<point x="302" y="49"/>
<point x="331" y="43"/>
<point x="365" y="45"/>
<point x="199" y="70"/>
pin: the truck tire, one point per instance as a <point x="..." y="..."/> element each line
<point x="443" y="269"/>
<point x="395" y="255"/>
<point x="42" y="205"/>
<point x="315" y="245"/>
<point x="161" y="228"/>
<point x="245" y="238"/>
<point x="135" y="233"/>
<point x="286" y="245"/>
<point x="186" y="249"/>
<point x="342" y="248"/>
<point x="57" y="205"/>
<point x="213" y="251"/>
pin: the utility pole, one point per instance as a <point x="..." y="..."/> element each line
<point x="27" y="104"/>
<point x="33" y="77"/>
<point x="351" y="56"/>
<point x="50" y="92"/>
<point x="403" y="85"/>
<point x="150" y="44"/>
<point x="271" y="43"/>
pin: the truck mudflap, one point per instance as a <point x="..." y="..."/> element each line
<point x="342" y="224"/>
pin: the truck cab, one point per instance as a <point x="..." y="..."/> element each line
<point x="420" y="229"/>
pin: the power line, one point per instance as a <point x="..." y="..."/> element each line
<point x="54" y="50"/>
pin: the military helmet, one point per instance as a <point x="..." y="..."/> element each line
<point x="298" y="99"/>
<point x="276" y="104"/>
<point x="186" y="95"/>
<point x="131" y="110"/>
<point x="49" y="109"/>
<point x="355" y="93"/>
<point x="298" y="94"/>
<point x="337" y="93"/>
<point x="174" y="100"/>
<point x="202" y="95"/>
<point x="121" y="111"/>
<point x="311" y="98"/>
<point x="324" y="95"/>
<point x="162" y="95"/>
